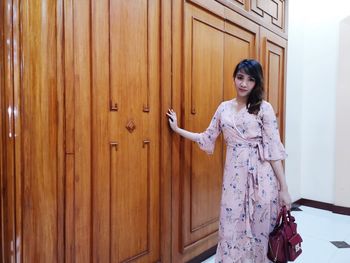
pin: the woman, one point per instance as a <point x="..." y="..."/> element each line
<point x="254" y="185"/>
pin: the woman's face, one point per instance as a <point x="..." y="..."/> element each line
<point x="244" y="84"/>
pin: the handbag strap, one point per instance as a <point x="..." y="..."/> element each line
<point x="285" y="216"/>
<point x="282" y="215"/>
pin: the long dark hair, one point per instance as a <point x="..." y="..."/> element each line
<point x="253" y="69"/>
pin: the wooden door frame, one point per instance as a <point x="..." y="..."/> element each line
<point x="166" y="102"/>
<point x="2" y="129"/>
<point x="15" y="66"/>
<point x="7" y="126"/>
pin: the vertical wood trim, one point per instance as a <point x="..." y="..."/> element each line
<point x="60" y="132"/>
<point x="69" y="182"/>
<point x="286" y="16"/>
<point x="69" y="75"/>
<point x="193" y="104"/>
<point x="69" y="210"/>
<point x="82" y="131"/>
<point x="8" y="183"/>
<point x="40" y="130"/>
<point x="147" y="143"/>
<point x="146" y="105"/>
<point x="114" y="223"/>
<point x="100" y="82"/>
<point x="113" y="104"/>
<point x="17" y="85"/>
<point x="284" y="91"/>
<point x="176" y="97"/>
<point x="2" y="131"/>
<point x="165" y="137"/>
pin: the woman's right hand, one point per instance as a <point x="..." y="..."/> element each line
<point x="285" y="199"/>
<point x="172" y="119"/>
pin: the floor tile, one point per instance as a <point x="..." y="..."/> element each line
<point x="209" y="260"/>
<point x="341" y="256"/>
<point x="316" y="250"/>
<point x="318" y="227"/>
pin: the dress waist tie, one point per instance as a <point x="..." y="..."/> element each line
<point x="252" y="191"/>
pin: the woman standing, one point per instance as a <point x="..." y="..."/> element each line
<point x="254" y="185"/>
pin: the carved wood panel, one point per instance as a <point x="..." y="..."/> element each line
<point x="271" y="11"/>
<point x="116" y="193"/>
<point x="201" y="174"/>
<point x="244" y="4"/>
<point x="206" y="72"/>
<point x="273" y="58"/>
<point x="133" y="68"/>
<point x="212" y="47"/>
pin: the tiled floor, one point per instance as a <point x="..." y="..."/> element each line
<point x="318" y="228"/>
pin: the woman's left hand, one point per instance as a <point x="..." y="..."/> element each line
<point x="285" y="199"/>
<point x="172" y="119"/>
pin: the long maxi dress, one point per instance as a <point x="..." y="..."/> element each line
<point x="249" y="201"/>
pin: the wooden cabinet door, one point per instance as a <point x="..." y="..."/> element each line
<point x="239" y="44"/>
<point x="114" y="199"/>
<point x="273" y="58"/>
<point x="132" y="142"/>
<point x="212" y="46"/>
<point x="203" y="92"/>
<point x="31" y="148"/>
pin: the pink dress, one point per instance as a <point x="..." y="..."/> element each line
<point x="249" y="201"/>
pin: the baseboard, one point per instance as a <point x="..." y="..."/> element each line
<point x="325" y="206"/>
<point x="205" y="255"/>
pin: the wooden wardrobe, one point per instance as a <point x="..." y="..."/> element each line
<point x="90" y="171"/>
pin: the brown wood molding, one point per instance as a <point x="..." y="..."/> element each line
<point x="325" y="206"/>
<point x="165" y="141"/>
<point x="2" y="130"/>
<point x="221" y="7"/>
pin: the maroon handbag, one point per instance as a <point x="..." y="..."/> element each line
<point x="284" y="240"/>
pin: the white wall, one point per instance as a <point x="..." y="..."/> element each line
<point x="342" y="138"/>
<point x="294" y="100"/>
<point x="312" y="72"/>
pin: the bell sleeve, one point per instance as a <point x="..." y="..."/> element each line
<point x="206" y="140"/>
<point x="271" y="141"/>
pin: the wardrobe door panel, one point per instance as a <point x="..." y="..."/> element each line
<point x="211" y="49"/>
<point x="134" y="126"/>
<point x="273" y="58"/>
<point x="117" y="138"/>
<point x="203" y="90"/>
<point x="239" y="44"/>
<point x="272" y="13"/>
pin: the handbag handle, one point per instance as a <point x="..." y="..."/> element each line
<point x="285" y="215"/>
<point x="282" y="215"/>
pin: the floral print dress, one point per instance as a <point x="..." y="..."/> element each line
<point x="249" y="201"/>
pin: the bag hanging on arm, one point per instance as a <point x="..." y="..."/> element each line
<point x="284" y="240"/>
